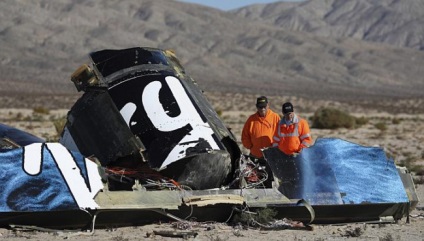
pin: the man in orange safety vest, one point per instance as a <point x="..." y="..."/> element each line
<point x="293" y="133"/>
<point x="259" y="128"/>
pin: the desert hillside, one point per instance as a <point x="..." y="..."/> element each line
<point x="43" y="42"/>
<point x="397" y="23"/>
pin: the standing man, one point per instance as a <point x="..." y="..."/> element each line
<point x="259" y="128"/>
<point x="293" y="133"/>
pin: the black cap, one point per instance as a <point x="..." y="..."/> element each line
<point x="287" y="108"/>
<point x="261" y="101"/>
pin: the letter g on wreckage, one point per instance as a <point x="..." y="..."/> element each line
<point x="142" y="144"/>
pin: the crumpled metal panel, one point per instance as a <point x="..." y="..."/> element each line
<point x="334" y="171"/>
<point x="98" y="129"/>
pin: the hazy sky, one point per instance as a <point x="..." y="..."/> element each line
<point x="229" y="4"/>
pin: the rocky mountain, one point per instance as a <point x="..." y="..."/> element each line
<point x="396" y="22"/>
<point x="42" y="42"/>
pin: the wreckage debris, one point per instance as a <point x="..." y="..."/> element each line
<point x="143" y="144"/>
<point x="139" y="105"/>
<point x="174" y="234"/>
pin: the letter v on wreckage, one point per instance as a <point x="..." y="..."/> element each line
<point x="142" y="144"/>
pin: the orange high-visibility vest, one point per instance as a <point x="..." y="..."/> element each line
<point x="293" y="137"/>
<point x="258" y="131"/>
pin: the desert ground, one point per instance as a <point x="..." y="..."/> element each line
<point x="396" y="127"/>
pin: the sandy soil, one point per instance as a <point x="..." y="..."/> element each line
<point x="402" y="140"/>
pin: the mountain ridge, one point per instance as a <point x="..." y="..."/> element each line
<point x="395" y="22"/>
<point x="43" y="42"/>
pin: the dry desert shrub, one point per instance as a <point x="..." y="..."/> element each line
<point x="41" y="110"/>
<point x="59" y="125"/>
<point x="381" y="126"/>
<point x="396" y="121"/>
<point x="388" y="237"/>
<point x="356" y="232"/>
<point x="216" y="238"/>
<point x="419" y="180"/>
<point x="330" y="118"/>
